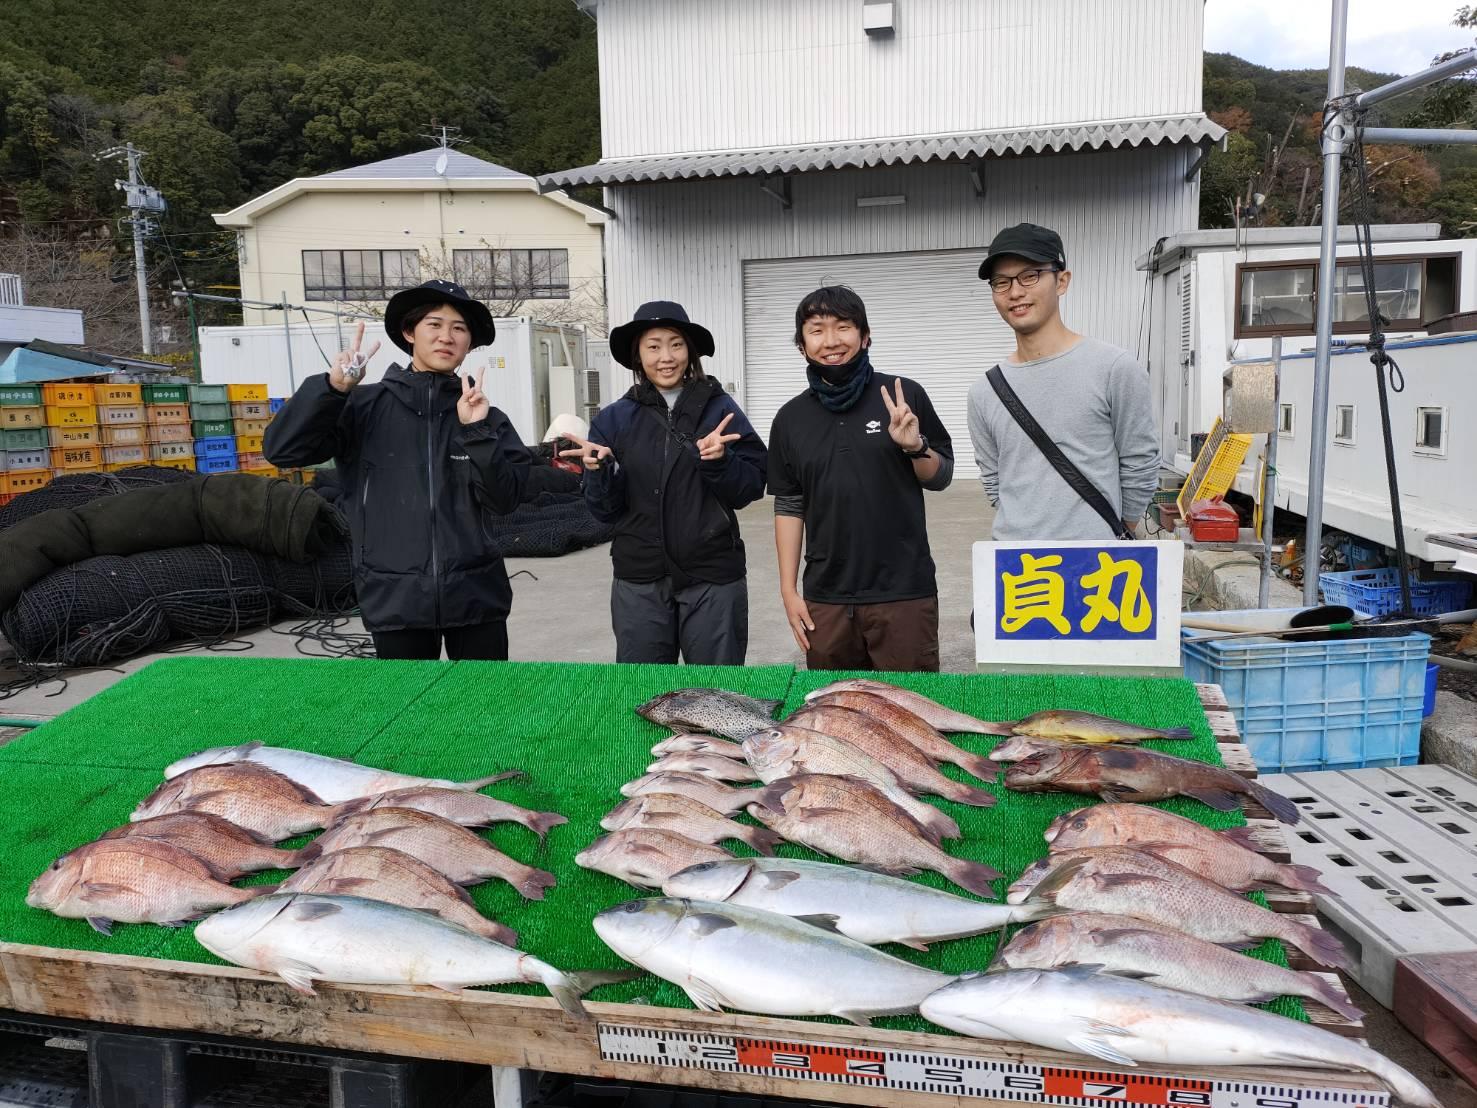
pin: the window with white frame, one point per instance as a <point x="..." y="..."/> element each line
<point x="359" y="274"/>
<point x="1285" y="419"/>
<point x="1343" y="424"/>
<point x="1430" y="430"/>
<point x="513" y="274"/>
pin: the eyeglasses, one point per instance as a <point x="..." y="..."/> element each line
<point x="1027" y="279"/>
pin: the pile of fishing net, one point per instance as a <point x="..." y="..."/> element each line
<point x="110" y="606"/>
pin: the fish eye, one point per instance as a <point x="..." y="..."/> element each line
<point x="1079" y="824"/>
<point x="634" y="906"/>
<point x="703" y="867"/>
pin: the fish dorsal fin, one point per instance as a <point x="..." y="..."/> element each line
<point x="706" y="923"/>
<point x="1082" y="971"/>
<point x="1126" y="880"/>
<point x="313" y="910"/>
<point x="826" y="921"/>
<point x="251" y="747"/>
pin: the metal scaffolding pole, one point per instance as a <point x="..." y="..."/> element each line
<point x="1333" y="152"/>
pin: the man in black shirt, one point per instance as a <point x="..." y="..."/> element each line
<point x="849" y="459"/>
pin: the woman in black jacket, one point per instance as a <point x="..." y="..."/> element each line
<point x="669" y="464"/>
<point x="424" y="461"/>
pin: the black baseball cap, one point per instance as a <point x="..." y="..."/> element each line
<point x="1025" y="240"/>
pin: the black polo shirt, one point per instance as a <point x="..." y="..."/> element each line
<point x="866" y="536"/>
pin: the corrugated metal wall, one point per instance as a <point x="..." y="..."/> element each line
<point x="688" y="241"/>
<point x="693" y="75"/>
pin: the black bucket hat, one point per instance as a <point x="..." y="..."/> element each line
<point x="1025" y="240"/>
<point x="659" y="313"/>
<point x="476" y="313"/>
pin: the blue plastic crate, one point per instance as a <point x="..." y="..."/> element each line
<point x="1376" y="592"/>
<point x="1340" y="704"/>
<point x="274" y="405"/>
<point x="215" y="447"/>
<point x="216" y="463"/>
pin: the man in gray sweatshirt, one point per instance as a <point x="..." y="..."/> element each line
<point x="1091" y="398"/>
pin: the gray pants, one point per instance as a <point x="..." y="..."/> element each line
<point x="653" y="621"/>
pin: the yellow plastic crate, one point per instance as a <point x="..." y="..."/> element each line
<point x="18" y="481"/>
<point x="124" y="434"/>
<point x="248" y="444"/>
<point x="71" y="415"/>
<point x="58" y="471"/>
<point x="1215" y="467"/>
<point x="252" y="426"/>
<point x="16" y="419"/>
<point x="176" y="463"/>
<point x="76" y="457"/>
<point x="68" y="394"/>
<point x="165" y="451"/>
<point x="243" y="394"/>
<point x="73" y="436"/>
<point x="260" y="471"/>
<point x="118" y="395"/>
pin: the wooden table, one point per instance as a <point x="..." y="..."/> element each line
<point x="753" y="1055"/>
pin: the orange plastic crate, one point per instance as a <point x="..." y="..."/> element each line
<point x="73" y="436"/>
<point x="111" y="414"/>
<point x="167" y="414"/>
<point x="76" y="457"/>
<point x="170" y="432"/>
<point x="242" y="394"/>
<point x="69" y="394"/>
<point x="18" y="481"/>
<point x="16" y="419"/>
<point x="71" y="415"/>
<point x="252" y="426"/>
<point x="60" y="472"/>
<point x="251" y="409"/>
<point x="116" y="395"/>
<point x="128" y="434"/>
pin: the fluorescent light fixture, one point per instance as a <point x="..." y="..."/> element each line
<point x="880" y="201"/>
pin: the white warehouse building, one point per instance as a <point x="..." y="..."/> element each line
<point x="756" y="149"/>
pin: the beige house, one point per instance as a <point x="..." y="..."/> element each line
<point x="356" y="236"/>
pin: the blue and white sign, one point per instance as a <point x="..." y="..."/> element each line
<point x="1078" y="604"/>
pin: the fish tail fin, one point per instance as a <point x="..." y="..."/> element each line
<point x="977" y="765"/>
<point x="974" y="876"/>
<point x="567" y="988"/>
<point x="358" y="804"/>
<point x="968" y="794"/>
<point x="1242" y="836"/>
<point x="1303" y="878"/>
<point x="1329" y="995"/>
<point x="1319" y="945"/>
<point x="541" y="823"/>
<point x="763" y="840"/>
<point x="482" y="782"/>
<point x="533" y="883"/>
<point x="1175" y="733"/>
<point x="250" y="892"/>
<point x="304" y="856"/>
<point x="1284" y="809"/>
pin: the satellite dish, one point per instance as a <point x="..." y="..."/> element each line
<point x="441" y="165"/>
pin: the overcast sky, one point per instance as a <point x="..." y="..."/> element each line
<point x="1389" y="36"/>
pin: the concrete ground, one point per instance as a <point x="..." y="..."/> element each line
<point x="561" y="613"/>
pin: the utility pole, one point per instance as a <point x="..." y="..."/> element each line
<point x="142" y="202"/>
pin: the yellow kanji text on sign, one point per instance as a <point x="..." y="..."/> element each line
<point x="1131" y="610"/>
<point x="1034" y="593"/>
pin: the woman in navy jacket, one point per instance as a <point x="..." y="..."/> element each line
<point x="669" y="464"/>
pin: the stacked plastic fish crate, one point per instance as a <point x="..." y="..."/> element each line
<point x="24" y="443"/>
<point x="210" y="421"/>
<point x="167" y="416"/>
<point x="71" y="428"/>
<point x="252" y="410"/>
<point x="123" y="429"/>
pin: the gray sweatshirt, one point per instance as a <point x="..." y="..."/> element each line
<point x="1093" y="401"/>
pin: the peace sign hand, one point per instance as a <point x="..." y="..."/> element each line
<point x="348" y="365"/>
<point x="473" y="405"/>
<point x="590" y="453"/>
<point x="714" y="445"/>
<point x="902" y="422"/>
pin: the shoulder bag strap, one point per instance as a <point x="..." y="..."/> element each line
<point x="1059" y="461"/>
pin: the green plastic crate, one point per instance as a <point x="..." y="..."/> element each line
<point x="210" y="413"/>
<point x="213" y="428"/>
<point x="26" y="438"/>
<point x="209" y="394"/>
<point x="166" y="394"/>
<point x="20" y="396"/>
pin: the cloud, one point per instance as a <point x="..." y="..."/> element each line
<point x="1384" y="36"/>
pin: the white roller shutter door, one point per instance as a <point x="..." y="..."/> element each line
<point x="932" y="320"/>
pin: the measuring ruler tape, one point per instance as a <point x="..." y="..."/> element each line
<point x="953" y="1075"/>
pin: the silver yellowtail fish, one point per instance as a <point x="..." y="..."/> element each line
<point x="725" y="956"/>
<point x="332" y="780"/>
<point x="861" y="904"/>
<point x="304" y="937"/>
<point x="1125" y="1022"/>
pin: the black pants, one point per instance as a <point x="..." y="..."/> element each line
<point x="655" y="622"/>
<point x="481" y="642"/>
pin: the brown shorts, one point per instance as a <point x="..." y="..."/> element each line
<point x="901" y="636"/>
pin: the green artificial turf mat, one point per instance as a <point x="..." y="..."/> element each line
<point x="572" y="728"/>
